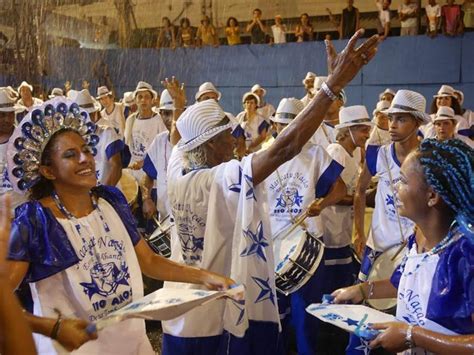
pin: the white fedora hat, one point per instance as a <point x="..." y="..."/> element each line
<point x="86" y="101"/>
<point x="128" y="98"/>
<point x="257" y="87"/>
<point x="56" y="92"/>
<point x="445" y="91"/>
<point x="144" y="86"/>
<point x="309" y="75"/>
<point x="381" y="106"/>
<point x="12" y="91"/>
<point x="206" y="88"/>
<point x="445" y="113"/>
<point x="25" y="84"/>
<point x="103" y="91"/>
<point x="386" y="91"/>
<point x="251" y="94"/>
<point x="166" y="102"/>
<point x="287" y="110"/>
<point x="7" y="101"/>
<point x="353" y="116"/>
<point x="407" y="101"/>
<point x="199" y="123"/>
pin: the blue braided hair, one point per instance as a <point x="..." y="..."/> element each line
<point x="448" y="167"/>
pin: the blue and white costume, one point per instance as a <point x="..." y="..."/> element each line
<point x="250" y="130"/>
<point x="109" y="144"/>
<point x="222" y="226"/>
<point x="290" y="190"/>
<point x="324" y="135"/>
<point x="85" y="274"/>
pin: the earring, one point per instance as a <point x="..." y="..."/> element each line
<point x="430" y="203"/>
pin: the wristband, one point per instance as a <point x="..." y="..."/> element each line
<point x="371" y="289"/>
<point x="361" y="289"/>
<point x="55" y="331"/>
<point x="409" y="343"/>
<point x="329" y="93"/>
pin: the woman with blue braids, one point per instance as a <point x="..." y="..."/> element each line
<point x="435" y="282"/>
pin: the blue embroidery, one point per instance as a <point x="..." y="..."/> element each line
<point x="105" y="279"/>
<point x="331" y="316"/>
<point x="266" y="292"/>
<point x="258" y="243"/>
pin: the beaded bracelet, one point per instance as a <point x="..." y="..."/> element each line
<point x="409" y="343"/>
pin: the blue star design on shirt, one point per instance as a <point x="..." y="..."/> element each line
<point x="198" y="244"/>
<point x="390" y="200"/>
<point x="350" y="321"/>
<point x="363" y="347"/>
<point x="266" y="292"/>
<point x="237" y="187"/>
<point x="240" y="305"/>
<point x="258" y="243"/>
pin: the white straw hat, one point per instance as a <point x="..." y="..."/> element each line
<point x="166" y="102"/>
<point x="85" y="101"/>
<point x="287" y="110"/>
<point x="206" y="88"/>
<point x="257" y="87"/>
<point x="309" y="75"/>
<point x="7" y="102"/>
<point x="25" y="84"/>
<point x="386" y="91"/>
<point x="199" y="123"/>
<point x="144" y="86"/>
<point x="445" y="91"/>
<point x="103" y="91"/>
<point x="381" y="106"/>
<point x="445" y="113"/>
<point x="248" y="94"/>
<point x="407" y="101"/>
<point x="128" y="98"/>
<point x="56" y="92"/>
<point x="461" y="96"/>
<point x="353" y="116"/>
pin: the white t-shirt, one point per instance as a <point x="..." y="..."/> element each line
<point x="297" y="183"/>
<point x="384" y="15"/>
<point x="429" y="130"/>
<point x="251" y="129"/>
<point x="433" y="12"/>
<point x="338" y="219"/>
<point x="379" y="136"/>
<point x="385" y="229"/>
<point x="106" y="278"/>
<point x="266" y="111"/>
<point x="324" y="135"/>
<point x="156" y="167"/>
<point x="408" y="9"/>
<point x="36" y="102"/>
<point x="109" y="145"/>
<point x="116" y="117"/>
<point x="279" y="34"/>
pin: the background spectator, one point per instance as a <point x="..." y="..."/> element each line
<point x="167" y="35"/>
<point x="383" y="26"/>
<point x="304" y="30"/>
<point x="206" y="34"/>
<point x="349" y="20"/>
<point x="256" y="28"/>
<point x="433" y="16"/>
<point x="279" y="30"/>
<point x="185" y="33"/>
<point x="468" y="10"/>
<point x="451" y="19"/>
<point x="232" y="31"/>
<point x="408" y="13"/>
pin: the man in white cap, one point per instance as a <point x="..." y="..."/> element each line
<point x="113" y="111"/>
<point x="445" y="123"/>
<point x="310" y="181"/>
<point x="221" y="219"/>
<point x="26" y="96"/>
<point x="56" y="92"/>
<point x="326" y="133"/>
<point x="155" y="164"/>
<point x="142" y="127"/>
<point x="387" y="95"/>
<point x="388" y="229"/>
<point x="108" y="159"/>
<point x="207" y="91"/>
<point x="265" y="109"/>
<point x="380" y="134"/>
<point x="308" y="83"/>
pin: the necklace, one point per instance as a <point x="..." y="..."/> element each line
<point x="443" y="244"/>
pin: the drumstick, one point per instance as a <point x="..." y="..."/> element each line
<point x="158" y="223"/>
<point x="299" y="220"/>
<point x="403" y="245"/>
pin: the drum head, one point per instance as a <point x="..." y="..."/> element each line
<point x="383" y="269"/>
<point x="287" y="244"/>
<point x="129" y="186"/>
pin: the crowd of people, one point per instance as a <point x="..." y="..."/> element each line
<point x="449" y="19"/>
<point x="234" y="185"/>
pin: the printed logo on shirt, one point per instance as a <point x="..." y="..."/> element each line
<point x="413" y="310"/>
<point x="191" y="229"/>
<point x="288" y="198"/>
<point x="5" y="184"/>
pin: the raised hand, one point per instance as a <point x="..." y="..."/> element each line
<point x="176" y="91"/>
<point x="343" y="67"/>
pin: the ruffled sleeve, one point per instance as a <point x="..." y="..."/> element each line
<point x="451" y="302"/>
<point x="39" y="239"/>
<point x="115" y="197"/>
